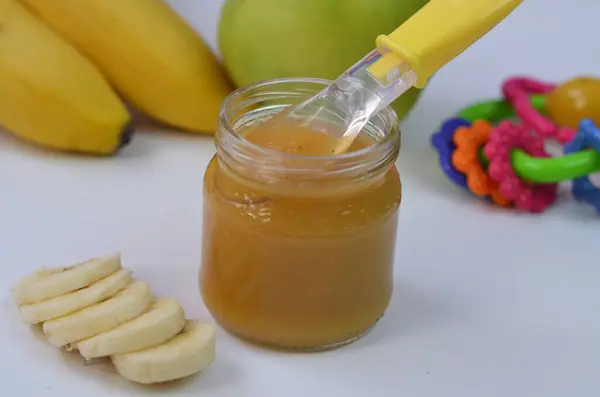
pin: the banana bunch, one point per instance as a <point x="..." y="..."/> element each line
<point x="68" y="66"/>
<point x="96" y="308"/>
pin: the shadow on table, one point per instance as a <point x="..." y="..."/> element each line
<point x="412" y="312"/>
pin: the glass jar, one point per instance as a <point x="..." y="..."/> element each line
<point x="298" y="251"/>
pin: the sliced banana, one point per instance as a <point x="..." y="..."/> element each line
<point x="69" y="303"/>
<point x="47" y="283"/>
<point x="128" y="304"/>
<point x="96" y="308"/>
<point x="161" y="322"/>
<point x="188" y="353"/>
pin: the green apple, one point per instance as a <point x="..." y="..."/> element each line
<point x="266" y="39"/>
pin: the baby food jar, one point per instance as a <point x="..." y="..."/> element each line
<point x="298" y="250"/>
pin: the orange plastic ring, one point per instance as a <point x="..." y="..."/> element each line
<point x="469" y="140"/>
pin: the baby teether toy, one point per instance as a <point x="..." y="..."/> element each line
<point x="495" y="149"/>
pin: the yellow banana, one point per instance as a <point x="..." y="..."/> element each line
<point x="50" y="94"/>
<point x="148" y="52"/>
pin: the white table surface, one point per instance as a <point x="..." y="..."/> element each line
<point x="488" y="302"/>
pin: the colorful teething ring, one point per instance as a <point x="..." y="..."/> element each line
<point x="512" y="167"/>
<point x="528" y="168"/>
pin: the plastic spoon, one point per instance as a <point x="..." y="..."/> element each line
<point x="431" y="38"/>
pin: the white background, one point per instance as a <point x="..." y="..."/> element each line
<point x="488" y="303"/>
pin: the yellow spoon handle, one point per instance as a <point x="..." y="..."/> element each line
<point x="437" y="33"/>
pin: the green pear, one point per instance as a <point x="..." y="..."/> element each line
<point x="266" y="39"/>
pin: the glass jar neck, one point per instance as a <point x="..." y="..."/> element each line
<point x="295" y="174"/>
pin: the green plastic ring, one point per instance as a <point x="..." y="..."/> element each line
<point x="534" y="169"/>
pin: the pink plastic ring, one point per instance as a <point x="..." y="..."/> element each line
<point x="517" y="91"/>
<point x="502" y="140"/>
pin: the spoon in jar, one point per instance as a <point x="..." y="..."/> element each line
<point x="440" y="31"/>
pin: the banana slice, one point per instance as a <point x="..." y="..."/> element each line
<point x="128" y="304"/>
<point x="47" y="283"/>
<point x="163" y="321"/>
<point x="71" y="302"/>
<point x="188" y="353"/>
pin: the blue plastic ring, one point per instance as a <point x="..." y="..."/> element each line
<point x="443" y="141"/>
<point x="587" y="137"/>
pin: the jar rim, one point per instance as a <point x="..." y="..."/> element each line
<point x="226" y="123"/>
<point x="293" y="172"/>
